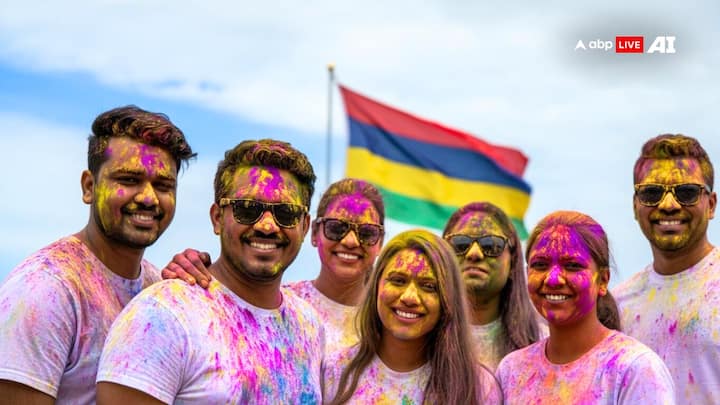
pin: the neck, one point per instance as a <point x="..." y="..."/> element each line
<point x="264" y="295"/>
<point x="570" y="342"/>
<point x="673" y="262"/>
<point x="483" y="310"/>
<point x="120" y="259"/>
<point x="402" y="355"/>
<point x="343" y="292"/>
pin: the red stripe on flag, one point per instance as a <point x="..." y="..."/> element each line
<point x="406" y="125"/>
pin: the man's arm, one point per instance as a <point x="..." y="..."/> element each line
<point x="12" y="393"/>
<point x="115" y="394"/>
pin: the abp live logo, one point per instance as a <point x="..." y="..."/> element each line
<point x="635" y="44"/>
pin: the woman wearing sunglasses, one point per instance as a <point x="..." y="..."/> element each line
<point x="348" y="234"/>
<point x="414" y="345"/>
<point x="488" y="249"/>
<point x="585" y="359"/>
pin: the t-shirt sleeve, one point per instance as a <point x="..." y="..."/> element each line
<point x="490" y="387"/>
<point x="647" y="381"/>
<point x="146" y="349"/>
<point x="37" y="330"/>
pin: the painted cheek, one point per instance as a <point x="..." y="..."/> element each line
<point x="103" y="195"/>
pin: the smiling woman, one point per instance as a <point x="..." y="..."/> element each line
<point x="414" y="338"/>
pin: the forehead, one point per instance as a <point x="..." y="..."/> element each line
<point x="353" y="207"/>
<point x="410" y="261"/>
<point x="127" y="154"/>
<point x="267" y="184"/>
<point x="477" y="223"/>
<point x="559" y="240"/>
<point x="671" y="171"/>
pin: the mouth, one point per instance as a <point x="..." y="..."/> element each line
<point x="475" y="270"/>
<point x="143" y="219"/>
<point x="555" y="298"/>
<point x="406" y="315"/>
<point x="348" y="256"/>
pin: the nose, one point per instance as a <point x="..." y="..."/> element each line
<point x="410" y="297"/>
<point x="147" y="196"/>
<point x="474" y="253"/>
<point x="669" y="203"/>
<point x="555" y="277"/>
<point x="266" y="224"/>
<point x="350" y="239"/>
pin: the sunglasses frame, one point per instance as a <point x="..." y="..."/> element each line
<point x="476" y="239"/>
<point x="671" y="189"/>
<point x="352" y="226"/>
<point x="224" y="202"/>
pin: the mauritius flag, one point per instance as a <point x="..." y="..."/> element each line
<point x="425" y="170"/>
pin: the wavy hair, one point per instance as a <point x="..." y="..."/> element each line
<point x="675" y="146"/>
<point x="518" y="318"/>
<point x="596" y="241"/>
<point x="453" y="376"/>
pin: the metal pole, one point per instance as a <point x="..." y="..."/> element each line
<point x="328" y="154"/>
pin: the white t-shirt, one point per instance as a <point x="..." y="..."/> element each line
<point x="185" y="345"/>
<point x="56" y="308"/>
<point x="338" y="319"/>
<point x="618" y="370"/>
<point x="678" y="316"/>
<point x="486" y="341"/>
<point x="379" y="384"/>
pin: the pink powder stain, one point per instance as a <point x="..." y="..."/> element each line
<point x="120" y="192"/>
<point x="672" y="328"/>
<point x="691" y="379"/>
<point x="150" y="160"/>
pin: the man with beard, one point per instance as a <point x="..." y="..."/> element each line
<point x="244" y="339"/>
<point x="57" y="306"/>
<point x="672" y="305"/>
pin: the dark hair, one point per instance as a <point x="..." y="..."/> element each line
<point x="678" y="146"/>
<point x="453" y="378"/>
<point x="350" y="186"/>
<point x="268" y="153"/>
<point x="518" y="318"/>
<point x="154" y="129"/>
<point x="596" y="241"/>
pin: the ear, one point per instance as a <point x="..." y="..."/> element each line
<point x="604" y="280"/>
<point x="216" y="218"/>
<point x="635" y="208"/>
<point x="306" y="225"/>
<point x="712" y="203"/>
<point x="314" y="233"/>
<point x="87" y="184"/>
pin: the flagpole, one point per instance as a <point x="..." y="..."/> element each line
<point x="328" y="153"/>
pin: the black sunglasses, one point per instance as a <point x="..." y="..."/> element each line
<point x="336" y="229"/>
<point x="491" y="245"/>
<point x="650" y="195"/>
<point x="247" y="212"/>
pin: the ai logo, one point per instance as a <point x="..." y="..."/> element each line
<point x="662" y="44"/>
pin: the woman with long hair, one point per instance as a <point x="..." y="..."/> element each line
<point x="586" y="359"/>
<point x="414" y="341"/>
<point x="490" y="255"/>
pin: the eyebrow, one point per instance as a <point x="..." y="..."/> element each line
<point x="138" y="172"/>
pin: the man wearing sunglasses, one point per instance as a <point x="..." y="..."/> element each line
<point x="243" y="339"/>
<point x="672" y="305"/>
<point x="57" y="306"/>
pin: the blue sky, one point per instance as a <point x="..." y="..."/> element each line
<point x="229" y="71"/>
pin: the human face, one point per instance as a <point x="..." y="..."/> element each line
<point x="408" y="301"/>
<point x="347" y="259"/>
<point x="260" y="252"/>
<point x="563" y="279"/>
<point x="133" y="195"/>
<point x="483" y="276"/>
<point x="670" y="226"/>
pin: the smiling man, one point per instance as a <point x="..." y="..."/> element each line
<point x="57" y="306"/>
<point x="244" y="339"/>
<point x="672" y="305"/>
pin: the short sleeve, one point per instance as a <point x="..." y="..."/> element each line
<point x="146" y="349"/>
<point x="37" y="330"/>
<point x="647" y="381"/>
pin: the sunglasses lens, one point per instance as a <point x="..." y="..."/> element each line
<point x="650" y="194"/>
<point x="687" y="194"/>
<point x="461" y="243"/>
<point x="368" y="234"/>
<point x="492" y="246"/>
<point x="247" y="212"/>
<point x="287" y="215"/>
<point x="334" y="229"/>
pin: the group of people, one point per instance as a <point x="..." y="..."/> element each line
<point x="457" y="318"/>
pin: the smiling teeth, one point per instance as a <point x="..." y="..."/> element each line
<point x="406" y="314"/>
<point x="348" y="256"/>
<point x="263" y="246"/>
<point x="556" y="297"/>
<point x="669" y="222"/>
<point x="144" y="217"/>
